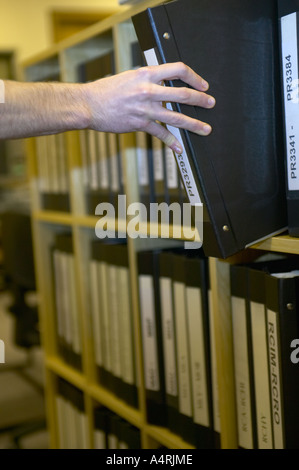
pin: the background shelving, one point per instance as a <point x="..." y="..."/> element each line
<point x="116" y="33"/>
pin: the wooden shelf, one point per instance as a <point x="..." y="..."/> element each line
<point x="118" y="406"/>
<point x="61" y="218"/>
<point x="167" y="438"/>
<point x="282" y="243"/>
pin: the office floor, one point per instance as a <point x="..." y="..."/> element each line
<point x="20" y="401"/>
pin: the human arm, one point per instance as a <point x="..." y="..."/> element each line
<point x="125" y="102"/>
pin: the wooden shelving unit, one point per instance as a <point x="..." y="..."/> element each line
<point x="115" y="32"/>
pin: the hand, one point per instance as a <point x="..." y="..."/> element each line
<point x="132" y="101"/>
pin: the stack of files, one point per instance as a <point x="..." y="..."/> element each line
<point x="53" y="175"/>
<point x="158" y="174"/>
<point x="178" y="355"/>
<point x="265" y="323"/>
<point x="112" y="320"/>
<point x="236" y="173"/>
<point x="71" y="416"/>
<point x="68" y="330"/>
<point x="103" y="175"/>
<point x="52" y="169"/>
<point x="113" y="432"/>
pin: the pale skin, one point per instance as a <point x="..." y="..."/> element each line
<point x="127" y="102"/>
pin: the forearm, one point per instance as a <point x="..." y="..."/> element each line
<point x="32" y="109"/>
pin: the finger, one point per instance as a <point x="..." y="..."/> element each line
<point x="181" y="71"/>
<point x="182" y="95"/>
<point x="175" y="119"/>
<point x="159" y="131"/>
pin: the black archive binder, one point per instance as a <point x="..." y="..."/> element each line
<point x="272" y="306"/>
<point x="237" y="172"/>
<point x="199" y="336"/>
<point x="282" y="327"/>
<point x="288" y="11"/>
<point x="151" y="331"/>
<point x="169" y="340"/>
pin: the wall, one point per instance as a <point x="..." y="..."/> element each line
<point x="26" y="26"/>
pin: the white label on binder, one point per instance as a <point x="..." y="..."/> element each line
<point x="261" y="375"/>
<point x="182" y="343"/>
<point x="275" y="379"/>
<point x="66" y="298"/>
<point x="76" y="330"/>
<point x="289" y="56"/>
<point x="83" y="150"/>
<point x="182" y="159"/>
<point x="113" y="162"/>
<point x="107" y="359"/>
<point x="94" y="184"/>
<point x="198" y="357"/>
<point x="215" y="386"/>
<point x="158" y="159"/>
<point x="142" y="163"/>
<point x="114" y="323"/>
<point x="103" y="161"/>
<point x="53" y="162"/>
<point x="62" y="163"/>
<point x="126" y="336"/>
<point x="96" y="312"/>
<point x="168" y="336"/>
<point x="59" y="289"/>
<point x="242" y="380"/>
<point x="171" y="169"/>
<point x="147" y="309"/>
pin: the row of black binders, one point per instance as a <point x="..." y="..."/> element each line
<point x="52" y="168"/>
<point x="178" y="345"/>
<point x="67" y="319"/>
<point x="111" y="314"/>
<point x="112" y="320"/>
<point x="265" y="321"/>
<point x="113" y="432"/>
<point x="103" y="175"/>
<point x="73" y="428"/>
<point x="53" y="172"/>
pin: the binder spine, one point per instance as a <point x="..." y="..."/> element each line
<point x="260" y="359"/>
<point x="169" y="346"/>
<point x="244" y="379"/>
<point x="274" y="362"/>
<point x="183" y="349"/>
<point x="200" y="354"/>
<point x="153" y="356"/>
<point x="289" y="78"/>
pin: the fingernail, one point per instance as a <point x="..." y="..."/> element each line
<point x="207" y="129"/>
<point x="177" y="149"/>
<point x="211" y="101"/>
<point x="205" y="84"/>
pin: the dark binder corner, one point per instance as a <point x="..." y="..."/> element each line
<point x="238" y="169"/>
